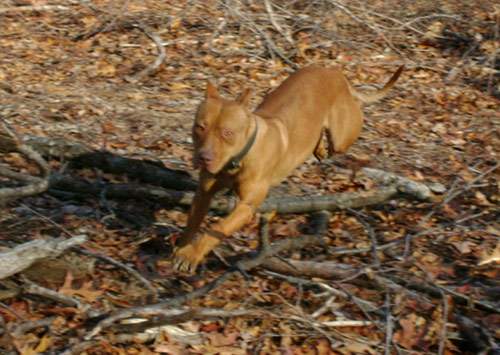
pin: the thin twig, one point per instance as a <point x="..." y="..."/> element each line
<point x="34" y="8"/>
<point x="347" y="323"/>
<point x="365" y="306"/>
<point x="493" y="56"/>
<point x="451" y="194"/>
<point x="273" y="48"/>
<point x="371" y="234"/>
<point x="272" y="19"/>
<point x="161" y="53"/>
<point x="443" y="336"/>
<point x="34" y="289"/>
<point x="23" y="328"/>
<point x="346" y="10"/>
<point x="389" y="324"/>
<point x="152" y="290"/>
<point x="36" y="184"/>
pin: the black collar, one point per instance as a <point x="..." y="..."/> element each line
<point x="234" y="164"/>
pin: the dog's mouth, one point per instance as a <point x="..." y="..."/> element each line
<point x="212" y="167"/>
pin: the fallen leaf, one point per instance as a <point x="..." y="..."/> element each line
<point x="85" y="291"/>
<point x="494" y="257"/>
<point x="411" y="331"/>
<point x="221" y="339"/>
<point x="356" y="348"/>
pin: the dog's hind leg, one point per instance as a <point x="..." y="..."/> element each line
<point x="344" y="125"/>
<point x="320" y="152"/>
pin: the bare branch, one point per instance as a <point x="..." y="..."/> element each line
<point x="9" y="142"/>
<point x="34" y="289"/>
<point x="161" y="54"/>
<point x="272" y="19"/>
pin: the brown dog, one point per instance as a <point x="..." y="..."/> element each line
<point x="251" y="151"/>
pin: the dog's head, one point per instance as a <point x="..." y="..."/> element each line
<point x="221" y="129"/>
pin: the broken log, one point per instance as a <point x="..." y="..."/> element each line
<point x="23" y="256"/>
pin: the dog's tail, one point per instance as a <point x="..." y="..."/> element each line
<point x="372" y="97"/>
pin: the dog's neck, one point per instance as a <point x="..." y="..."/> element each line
<point x="234" y="164"/>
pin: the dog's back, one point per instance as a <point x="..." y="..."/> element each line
<point x="305" y="103"/>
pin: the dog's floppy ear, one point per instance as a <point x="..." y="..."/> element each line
<point x="244" y="98"/>
<point x="211" y="91"/>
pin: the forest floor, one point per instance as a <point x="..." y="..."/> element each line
<point x="84" y="72"/>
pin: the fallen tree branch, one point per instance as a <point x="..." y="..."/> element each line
<point x="222" y="204"/>
<point x="34" y="188"/>
<point x="82" y="187"/>
<point x="24" y="255"/>
<point x="340" y="201"/>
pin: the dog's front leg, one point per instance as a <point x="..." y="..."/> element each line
<point x="207" y="188"/>
<point x="189" y="256"/>
<point x="197" y="213"/>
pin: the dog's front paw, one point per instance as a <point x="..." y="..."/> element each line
<point x="187" y="258"/>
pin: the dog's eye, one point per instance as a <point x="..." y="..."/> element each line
<point x="227" y="133"/>
<point x="199" y="127"/>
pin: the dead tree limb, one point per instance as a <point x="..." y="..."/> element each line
<point x="24" y="255"/>
<point x="221" y="204"/>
